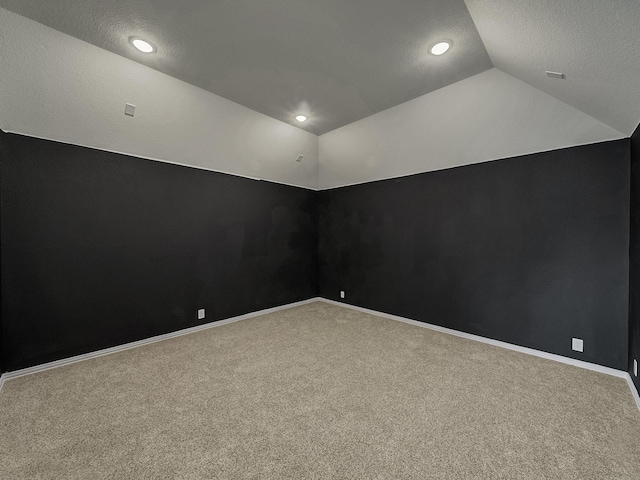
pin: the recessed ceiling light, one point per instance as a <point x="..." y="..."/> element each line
<point x="142" y="45"/>
<point x="301" y="118"/>
<point x="441" y="47"/>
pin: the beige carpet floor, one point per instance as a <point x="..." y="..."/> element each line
<point x="318" y="391"/>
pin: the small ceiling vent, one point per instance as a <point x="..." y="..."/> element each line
<point x="556" y="75"/>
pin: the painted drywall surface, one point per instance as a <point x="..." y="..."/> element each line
<point x="329" y="59"/>
<point x="101" y="249"/>
<point x="486" y="117"/>
<point x="595" y="44"/>
<point x="57" y="87"/>
<point x="531" y="250"/>
<point x="634" y="261"/>
<point x="4" y="152"/>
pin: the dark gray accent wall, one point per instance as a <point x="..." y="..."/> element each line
<point x="101" y="249"/>
<point x="531" y="250"/>
<point x="634" y="270"/>
<point x="4" y="153"/>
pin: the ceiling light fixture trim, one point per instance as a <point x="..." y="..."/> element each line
<point x="301" y="118"/>
<point x="440" y="47"/>
<point x="143" y="45"/>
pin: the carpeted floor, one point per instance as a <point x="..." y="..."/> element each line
<point x="318" y="391"/>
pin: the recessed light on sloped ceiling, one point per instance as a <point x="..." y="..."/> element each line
<point x="142" y="45"/>
<point x="440" y="48"/>
<point x="346" y="61"/>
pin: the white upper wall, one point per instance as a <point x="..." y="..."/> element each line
<point x="488" y="116"/>
<point x="595" y="43"/>
<point x="56" y="87"/>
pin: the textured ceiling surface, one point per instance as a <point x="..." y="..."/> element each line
<point x="595" y="43"/>
<point x="489" y="116"/>
<point x="336" y="61"/>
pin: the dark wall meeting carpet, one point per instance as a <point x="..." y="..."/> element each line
<point x="319" y="391"/>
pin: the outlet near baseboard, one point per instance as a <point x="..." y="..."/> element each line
<point x="201" y="314"/>
<point x="635" y="367"/>
<point x="577" y="345"/>
<point x="341" y="293"/>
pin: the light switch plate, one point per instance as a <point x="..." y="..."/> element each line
<point x="577" y="344"/>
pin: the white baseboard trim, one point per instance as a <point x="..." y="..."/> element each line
<point x="497" y="343"/>
<point x="146" y="341"/>
<point x="634" y="391"/>
<point x="529" y="351"/>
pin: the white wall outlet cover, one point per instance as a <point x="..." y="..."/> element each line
<point x="577" y="344"/>
<point x="129" y="110"/>
<point x="201" y="314"/>
<point x="341" y="293"/>
<point x="635" y="368"/>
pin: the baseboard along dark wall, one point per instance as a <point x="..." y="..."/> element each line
<point x="101" y="249"/>
<point x="532" y="250"/>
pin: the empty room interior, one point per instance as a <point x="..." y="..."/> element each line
<point x="320" y="239"/>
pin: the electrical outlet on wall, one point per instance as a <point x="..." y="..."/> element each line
<point x="635" y="368"/>
<point x="577" y="344"/>
<point x="201" y="314"/>
<point x="129" y="110"/>
<point x="341" y="293"/>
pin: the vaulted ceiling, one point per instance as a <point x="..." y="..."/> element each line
<point x="340" y="61"/>
<point x="595" y="43"/>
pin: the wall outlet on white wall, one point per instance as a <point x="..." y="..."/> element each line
<point x="577" y="344"/>
<point x="201" y="314"/>
<point x="341" y="293"/>
<point x="129" y="110"/>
